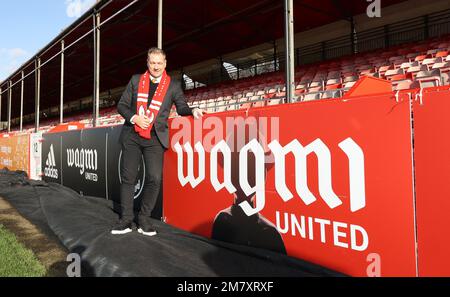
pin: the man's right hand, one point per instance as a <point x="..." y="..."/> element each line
<point x="142" y="121"/>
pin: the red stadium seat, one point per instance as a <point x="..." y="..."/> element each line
<point x="442" y="54"/>
<point x="392" y="72"/>
<point x="421" y="58"/>
<point x="398" y="77"/>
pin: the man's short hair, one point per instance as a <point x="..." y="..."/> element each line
<point x="156" y="50"/>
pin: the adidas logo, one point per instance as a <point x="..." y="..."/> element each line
<point x="50" y="164"/>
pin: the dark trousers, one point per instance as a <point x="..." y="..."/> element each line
<point x="133" y="148"/>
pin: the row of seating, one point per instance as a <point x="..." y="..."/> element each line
<point x="420" y="65"/>
<point x="426" y="64"/>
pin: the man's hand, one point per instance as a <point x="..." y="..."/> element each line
<point x="198" y="113"/>
<point x="142" y="121"/>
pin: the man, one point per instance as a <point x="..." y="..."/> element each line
<point x="145" y="104"/>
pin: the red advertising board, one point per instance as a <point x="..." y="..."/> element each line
<point x="432" y="164"/>
<point x="334" y="185"/>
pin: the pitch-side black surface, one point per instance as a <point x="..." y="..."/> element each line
<point x="82" y="224"/>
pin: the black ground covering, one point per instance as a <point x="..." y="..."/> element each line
<point x="82" y="225"/>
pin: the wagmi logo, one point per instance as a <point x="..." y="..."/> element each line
<point x="84" y="159"/>
<point x="318" y="147"/>
<point x="50" y="163"/>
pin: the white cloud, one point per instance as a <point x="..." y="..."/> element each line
<point x="10" y="60"/>
<point x="75" y="8"/>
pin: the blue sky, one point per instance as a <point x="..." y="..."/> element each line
<point x="26" y="26"/>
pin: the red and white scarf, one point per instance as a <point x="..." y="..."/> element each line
<point x="155" y="105"/>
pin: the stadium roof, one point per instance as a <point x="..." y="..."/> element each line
<point x="193" y="31"/>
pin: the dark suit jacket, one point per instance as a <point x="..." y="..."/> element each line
<point x="127" y="108"/>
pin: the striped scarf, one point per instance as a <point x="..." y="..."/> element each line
<point x="155" y="105"/>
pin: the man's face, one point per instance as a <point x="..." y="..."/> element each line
<point x="156" y="64"/>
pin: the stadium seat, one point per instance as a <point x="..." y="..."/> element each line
<point x="414" y="69"/>
<point x="420" y="58"/>
<point x="430" y="62"/>
<point x="299" y="92"/>
<point x="330" y="94"/>
<point x="274" y="101"/>
<point x="396" y="58"/>
<point x="244" y="100"/>
<point x="333" y="86"/>
<point x="412" y="56"/>
<point x="259" y="104"/>
<point x="404" y="85"/>
<point x="383" y="69"/>
<point x="441" y="65"/>
<point x="393" y="72"/>
<point x="398" y="77"/>
<point x="349" y="84"/>
<point x="429" y="78"/>
<point x="350" y="79"/>
<point x="312" y="96"/>
<point x="406" y="65"/>
<point x="367" y="72"/>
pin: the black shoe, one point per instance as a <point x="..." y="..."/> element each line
<point x="122" y="227"/>
<point x="146" y="229"/>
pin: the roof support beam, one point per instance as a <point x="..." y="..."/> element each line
<point x="1" y="126"/>
<point x="96" y="97"/>
<point x="289" y="49"/>
<point x="160" y="19"/>
<point x="9" y="106"/>
<point x="21" y="101"/>
<point x="61" y="86"/>
<point x="37" y="93"/>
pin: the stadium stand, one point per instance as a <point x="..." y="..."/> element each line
<point x="422" y="65"/>
<point x="416" y="65"/>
